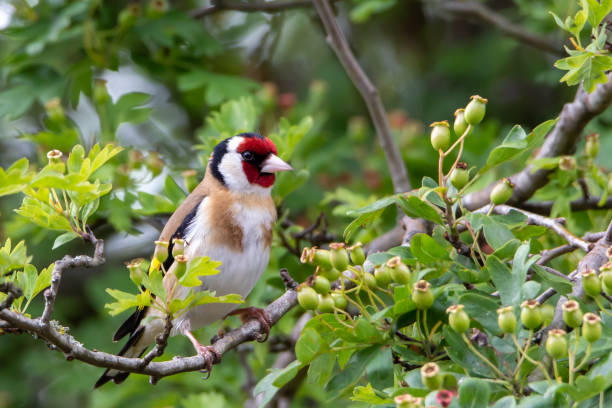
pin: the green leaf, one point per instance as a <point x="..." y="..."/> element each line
<point x="368" y="395"/>
<point x="308" y="346"/>
<point x="497" y="234"/>
<point x="481" y="308"/>
<point x="43" y="280"/>
<point x="562" y="286"/>
<point x="515" y="143"/>
<point x="361" y="221"/>
<point x="219" y="87"/>
<point x="155" y="284"/>
<point x="199" y="266"/>
<point x="64" y="239"/>
<point x="416" y="208"/>
<point x="508" y="285"/>
<point x="287" y="374"/>
<point x="321" y="368"/>
<point x="474" y="393"/>
<point x="458" y="351"/>
<point x="173" y="192"/>
<point x="505" y="402"/>
<point x="233" y="117"/>
<point x="380" y="369"/>
<point x="425" y="249"/>
<point x="352" y="371"/>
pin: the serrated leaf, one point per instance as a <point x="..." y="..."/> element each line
<point x="199" y="266"/>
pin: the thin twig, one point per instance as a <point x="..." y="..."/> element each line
<point x="68" y="262"/>
<point x="536" y="219"/>
<point x="254" y="6"/>
<point x="480" y="12"/>
<point x="582" y="204"/>
<point x="369" y="93"/>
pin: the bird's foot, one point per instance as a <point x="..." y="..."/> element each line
<point x="249" y="313"/>
<point x="211" y="356"/>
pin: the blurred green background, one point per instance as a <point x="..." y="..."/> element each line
<point x="425" y="61"/>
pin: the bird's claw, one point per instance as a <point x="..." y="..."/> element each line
<point x="210" y="355"/>
<point x="249" y="313"/>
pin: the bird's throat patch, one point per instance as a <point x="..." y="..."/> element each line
<point x="255" y="177"/>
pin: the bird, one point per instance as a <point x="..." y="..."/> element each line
<point x="228" y="217"/>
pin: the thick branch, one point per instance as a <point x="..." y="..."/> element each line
<point x="562" y="140"/>
<point x="480" y="12"/>
<point x="369" y="93"/>
<point x="71" y="347"/>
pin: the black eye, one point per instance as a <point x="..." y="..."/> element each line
<point x="247" y="155"/>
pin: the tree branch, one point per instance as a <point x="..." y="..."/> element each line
<point x="257" y="6"/>
<point x="582" y="204"/>
<point x="562" y="140"/>
<point x="369" y="93"/>
<point x="592" y="260"/>
<point x="480" y="12"/>
<point x="68" y="262"/>
<point x="549" y="223"/>
<point x="54" y="334"/>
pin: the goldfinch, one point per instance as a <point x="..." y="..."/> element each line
<point x="228" y="217"/>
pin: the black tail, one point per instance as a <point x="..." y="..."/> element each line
<point x="119" y="376"/>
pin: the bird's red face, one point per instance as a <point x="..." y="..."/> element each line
<point x="247" y="162"/>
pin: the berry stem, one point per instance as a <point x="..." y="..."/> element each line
<point x="525" y="356"/>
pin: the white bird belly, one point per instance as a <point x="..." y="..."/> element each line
<point x="238" y="273"/>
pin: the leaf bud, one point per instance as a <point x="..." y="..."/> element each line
<point x="531" y="316"/>
<point x="548" y="313"/>
<point x="422" y="295"/>
<point x="357" y="254"/>
<point x="572" y="315"/>
<point x="338" y="256"/>
<point x="181" y="266"/>
<point x="502" y="192"/>
<point x="605" y="273"/>
<point x="382" y="275"/>
<point x="161" y="251"/>
<point x="440" y="135"/>
<point x="178" y="247"/>
<point x="321" y="285"/>
<point x="506" y="319"/>
<point x="100" y="93"/>
<point x="567" y="163"/>
<point x="157" y="8"/>
<point x="54" y="110"/>
<point x="475" y="110"/>
<point x="592" y="145"/>
<point x="308" y="298"/>
<point x="458" y="319"/>
<point x="369" y="280"/>
<point x="339" y="300"/>
<point x="136" y="272"/>
<point x="460" y="176"/>
<point x="591" y="328"/>
<point x="400" y="273"/>
<point x="431" y="376"/>
<point x="591" y="283"/>
<point x="460" y="125"/>
<point x="407" y="401"/>
<point x="556" y="343"/>
<point x="326" y="304"/>
<point x="54" y="156"/>
<point x="128" y="16"/>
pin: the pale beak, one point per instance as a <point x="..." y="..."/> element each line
<point x="274" y="164"/>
